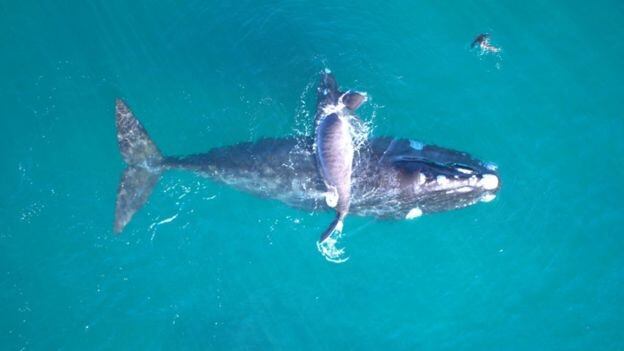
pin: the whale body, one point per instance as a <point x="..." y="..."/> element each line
<point x="392" y="178"/>
<point x="334" y="146"/>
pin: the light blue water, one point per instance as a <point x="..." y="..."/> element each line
<point x="539" y="268"/>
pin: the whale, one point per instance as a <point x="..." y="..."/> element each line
<point x="392" y="178"/>
<point x="335" y="146"/>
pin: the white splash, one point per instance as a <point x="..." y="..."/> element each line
<point x="154" y="226"/>
<point x="302" y="114"/>
<point x="329" y="250"/>
<point x="486" y="46"/>
<point x="337" y="108"/>
<point x="360" y="131"/>
<point x="168" y="220"/>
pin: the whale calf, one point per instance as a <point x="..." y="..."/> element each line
<point x="392" y="178"/>
<point x="334" y="145"/>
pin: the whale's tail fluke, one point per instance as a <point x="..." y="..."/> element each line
<point x="334" y="227"/>
<point x="145" y="164"/>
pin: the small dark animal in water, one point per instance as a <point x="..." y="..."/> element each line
<point x="479" y="39"/>
<point x="483" y="42"/>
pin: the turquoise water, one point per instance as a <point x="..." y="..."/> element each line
<point x="204" y="266"/>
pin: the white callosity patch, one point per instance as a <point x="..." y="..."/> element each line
<point x="442" y="180"/>
<point x="491" y="166"/>
<point x="422" y="178"/>
<point x="464" y="170"/>
<point x="473" y="180"/>
<point x="414" y="213"/>
<point x="416" y="145"/>
<point x="419" y="182"/>
<point x="489" y="182"/>
<point x="488" y="197"/>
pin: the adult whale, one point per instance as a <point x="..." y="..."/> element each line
<point x="392" y="178"/>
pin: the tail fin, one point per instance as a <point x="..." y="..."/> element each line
<point x="334" y="226"/>
<point x="144" y="162"/>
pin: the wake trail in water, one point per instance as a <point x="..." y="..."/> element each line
<point x="330" y="251"/>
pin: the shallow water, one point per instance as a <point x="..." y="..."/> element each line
<point x="203" y="266"/>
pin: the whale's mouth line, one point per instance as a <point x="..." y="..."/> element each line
<point x="454" y="176"/>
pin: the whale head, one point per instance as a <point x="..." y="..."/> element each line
<point x="435" y="179"/>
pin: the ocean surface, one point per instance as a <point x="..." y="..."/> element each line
<point x="205" y="267"/>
